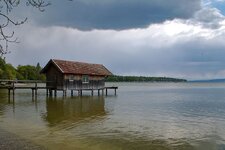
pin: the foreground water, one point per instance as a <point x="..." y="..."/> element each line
<point x="157" y="116"/>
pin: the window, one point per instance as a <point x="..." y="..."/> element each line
<point x="85" y="79"/>
<point x="71" y="77"/>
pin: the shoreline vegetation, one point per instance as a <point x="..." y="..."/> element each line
<point x="117" y="78"/>
<point x="26" y="72"/>
<point x="29" y="72"/>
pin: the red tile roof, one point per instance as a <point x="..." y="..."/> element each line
<point x="72" y="67"/>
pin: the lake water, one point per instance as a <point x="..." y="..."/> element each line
<point x="154" y="116"/>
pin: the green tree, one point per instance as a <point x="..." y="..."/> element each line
<point x="7" y="71"/>
<point x="38" y="70"/>
<point x="29" y="72"/>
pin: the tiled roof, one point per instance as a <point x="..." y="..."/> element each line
<point x="72" y="67"/>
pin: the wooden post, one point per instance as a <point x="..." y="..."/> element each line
<point x="35" y="88"/>
<point x="47" y="92"/>
<point x="115" y="91"/>
<point x="106" y="91"/>
<point x="92" y="92"/>
<point x="9" y="92"/>
<point x="50" y="92"/>
<point x="98" y="92"/>
<point x="71" y="92"/>
<point x="64" y="93"/>
<point x="102" y="91"/>
<point x="13" y="88"/>
<point x="55" y="92"/>
<point x="32" y="92"/>
<point x="80" y="92"/>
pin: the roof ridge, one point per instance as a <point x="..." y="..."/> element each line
<point x="75" y="67"/>
<point x="76" y="61"/>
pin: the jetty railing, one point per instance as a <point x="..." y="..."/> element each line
<point x="34" y="85"/>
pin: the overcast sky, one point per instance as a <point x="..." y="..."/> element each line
<point x="175" y="38"/>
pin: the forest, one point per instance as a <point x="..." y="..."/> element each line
<point x="26" y="72"/>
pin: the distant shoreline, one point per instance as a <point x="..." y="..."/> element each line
<point x="211" y="80"/>
<point x="117" y="78"/>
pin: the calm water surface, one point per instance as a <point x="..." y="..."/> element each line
<point x="157" y="116"/>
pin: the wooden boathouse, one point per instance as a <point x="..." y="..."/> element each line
<point x="62" y="75"/>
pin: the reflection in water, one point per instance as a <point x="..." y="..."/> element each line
<point x="3" y="101"/>
<point x="73" y="109"/>
<point x="142" y="116"/>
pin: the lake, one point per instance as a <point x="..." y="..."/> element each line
<point x="145" y="116"/>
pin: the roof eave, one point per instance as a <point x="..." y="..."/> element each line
<point x="44" y="70"/>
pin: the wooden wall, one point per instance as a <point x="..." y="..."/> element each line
<point x="55" y="79"/>
<point x="75" y="82"/>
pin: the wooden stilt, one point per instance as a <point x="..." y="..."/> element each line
<point x="9" y="92"/>
<point x="106" y="91"/>
<point x="92" y="92"/>
<point x="47" y="92"/>
<point x="9" y="95"/>
<point x="98" y="92"/>
<point x="35" y="88"/>
<point x="63" y="93"/>
<point x="102" y="91"/>
<point x="55" y="93"/>
<point x="13" y="92"/>
<point x="71" y="92"/>
<point x="32" y="92"/>
<point x="35" y="92"/>
<point x="50" y="92"/>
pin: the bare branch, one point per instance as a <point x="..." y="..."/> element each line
<point x="39" y="4"/>
<point x="6" y="6"/>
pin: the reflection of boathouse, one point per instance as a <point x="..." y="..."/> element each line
<point x="70" y="75"/>
<point x="72" y="110"/>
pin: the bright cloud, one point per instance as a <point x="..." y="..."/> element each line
<point x="177" y="48"/>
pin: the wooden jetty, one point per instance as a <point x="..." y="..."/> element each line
<point x="34" y="86"/>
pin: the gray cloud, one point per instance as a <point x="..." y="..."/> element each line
<point x="115" y="14"/>
<point x="209" y="17"/>
<point x="175" y="48"/>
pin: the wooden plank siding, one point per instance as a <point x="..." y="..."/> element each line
<point x="78" y="85"/>
<point x="54" y="78"/>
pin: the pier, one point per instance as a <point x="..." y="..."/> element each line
<point x="34" y="86"/>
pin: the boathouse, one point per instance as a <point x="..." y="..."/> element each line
<point x="71" y="75"/>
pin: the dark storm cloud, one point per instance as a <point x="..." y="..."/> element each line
<point x="115" y="14"/>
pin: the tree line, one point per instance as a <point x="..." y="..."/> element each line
<point x="26" y="72"/>
<point x="29" y="72"/>
<point x="117" y="78"/>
